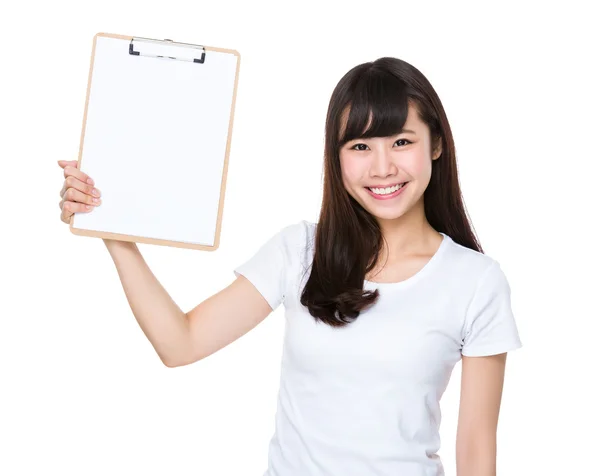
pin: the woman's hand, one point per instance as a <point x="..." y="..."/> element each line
<point x="78" y="193"/>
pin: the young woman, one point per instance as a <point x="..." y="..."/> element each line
<point x="382" y="297"/>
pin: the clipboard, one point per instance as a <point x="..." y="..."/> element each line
<point x="155" y="138"/>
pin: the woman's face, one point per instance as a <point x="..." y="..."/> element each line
<point x="381" y="162"/>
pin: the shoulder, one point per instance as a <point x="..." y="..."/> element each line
<point x="480" y="284"/>
<point x="297" y="245"/>
<point x="468" y="264"/>
<point x="296" y="229"/>
<point x="297" y="234"/>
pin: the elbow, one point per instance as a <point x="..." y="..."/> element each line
<point x="171" y="362"/>
<point x="175" y="356"/>
<point x="177" y="361"/>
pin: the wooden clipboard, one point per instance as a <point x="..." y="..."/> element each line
<point x="155" y="138"/>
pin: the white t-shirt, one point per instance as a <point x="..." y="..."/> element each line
<point x="364" y="399"/>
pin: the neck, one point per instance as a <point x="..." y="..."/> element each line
<point x="409" y="234"/>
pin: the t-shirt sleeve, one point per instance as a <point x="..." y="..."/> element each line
<point x="490" y="326"/>
<point x="266" y="269"/>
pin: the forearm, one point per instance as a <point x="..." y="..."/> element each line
<point x="476" y="459"/>
<point x="162" y="321"/>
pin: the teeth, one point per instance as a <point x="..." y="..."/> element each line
<point x="385" y="191"/>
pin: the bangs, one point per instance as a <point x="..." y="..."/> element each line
<point x="379" y="100"/>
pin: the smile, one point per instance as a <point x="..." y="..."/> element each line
<point x="387" y="193"/>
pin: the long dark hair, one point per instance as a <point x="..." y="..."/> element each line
<point x="347" y="237"/>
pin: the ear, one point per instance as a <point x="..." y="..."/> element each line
<point x="437" y="152"/>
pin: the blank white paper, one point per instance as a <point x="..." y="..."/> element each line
<point x="155" y="142"/>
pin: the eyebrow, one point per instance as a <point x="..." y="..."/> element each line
<point x="403" y="131"/>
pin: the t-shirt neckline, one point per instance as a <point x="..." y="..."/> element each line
<point x="419" y="274"/>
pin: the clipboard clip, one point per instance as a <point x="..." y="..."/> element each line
<point x="168" y="49"/>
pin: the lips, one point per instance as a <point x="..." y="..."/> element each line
<point x="385" y="186"/>
<point x="388" y="196"/>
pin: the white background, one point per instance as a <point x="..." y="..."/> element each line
<point x="81" y="390"/>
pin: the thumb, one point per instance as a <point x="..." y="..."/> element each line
<point x="64" y="163"/>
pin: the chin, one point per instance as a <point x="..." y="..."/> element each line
<point x="384" y="213"/>
<point x="389" y="216"/>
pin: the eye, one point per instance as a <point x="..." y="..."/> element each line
<point x="361" y="144"/>
<point x="354" y="147"/>
<point x="405" y="140"/>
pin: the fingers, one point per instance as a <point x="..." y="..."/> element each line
<point x="74" y="195"/>
<point x="66" y="212"/>
<point x="78" y="194"/>
<point x="76" y="184"/>
<point x="70" y="169"/>
<point x="68" y="208"/>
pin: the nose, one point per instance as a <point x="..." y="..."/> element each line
<point x="382" y="164"/>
